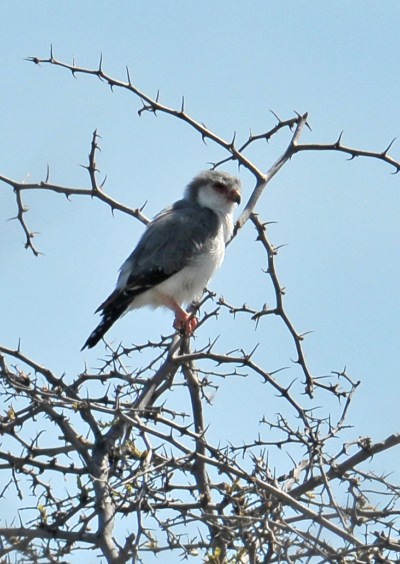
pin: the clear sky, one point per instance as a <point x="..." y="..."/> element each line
<point x="233" y="61"/>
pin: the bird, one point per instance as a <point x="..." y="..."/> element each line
<point x="177" y="254"/>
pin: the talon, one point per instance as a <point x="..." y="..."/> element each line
<point x="185" y="323"/>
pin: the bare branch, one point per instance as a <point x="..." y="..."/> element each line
<point x="353" y="152"/>
<point x="122" y="448"/>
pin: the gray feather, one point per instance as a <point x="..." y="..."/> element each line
<point x="171" y="241"/>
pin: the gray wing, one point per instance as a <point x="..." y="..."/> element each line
<point x="171" y="241"/>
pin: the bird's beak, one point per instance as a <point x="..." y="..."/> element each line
<point x="235" y="196"/>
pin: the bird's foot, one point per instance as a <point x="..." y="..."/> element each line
<point x="185" y="323"/>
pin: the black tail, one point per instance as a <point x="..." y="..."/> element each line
<point x="100" y="331"/>
<point x="112" y="309"/>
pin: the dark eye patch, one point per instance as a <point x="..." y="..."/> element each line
<point x="219" y="187"/>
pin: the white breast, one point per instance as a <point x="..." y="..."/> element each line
<point x="188" y="284"/>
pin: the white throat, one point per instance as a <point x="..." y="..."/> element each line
<point x="226" y="225"/>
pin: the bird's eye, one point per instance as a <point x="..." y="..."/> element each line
<point x="219" y="187"/>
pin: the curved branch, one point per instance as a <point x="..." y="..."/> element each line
<point x="337" y="146"/>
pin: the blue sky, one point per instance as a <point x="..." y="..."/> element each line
<point x="233" y="62"/>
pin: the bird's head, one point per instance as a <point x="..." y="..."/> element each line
<point x="214" y="189"/>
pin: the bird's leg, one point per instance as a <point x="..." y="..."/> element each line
<point x="184" y="321"/>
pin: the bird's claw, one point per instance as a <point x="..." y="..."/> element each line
<point x="185" y="324"/>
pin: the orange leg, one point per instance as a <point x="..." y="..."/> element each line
<point x="184" y="321"/>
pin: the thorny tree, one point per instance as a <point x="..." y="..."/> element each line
<point x="141" y="477"/>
